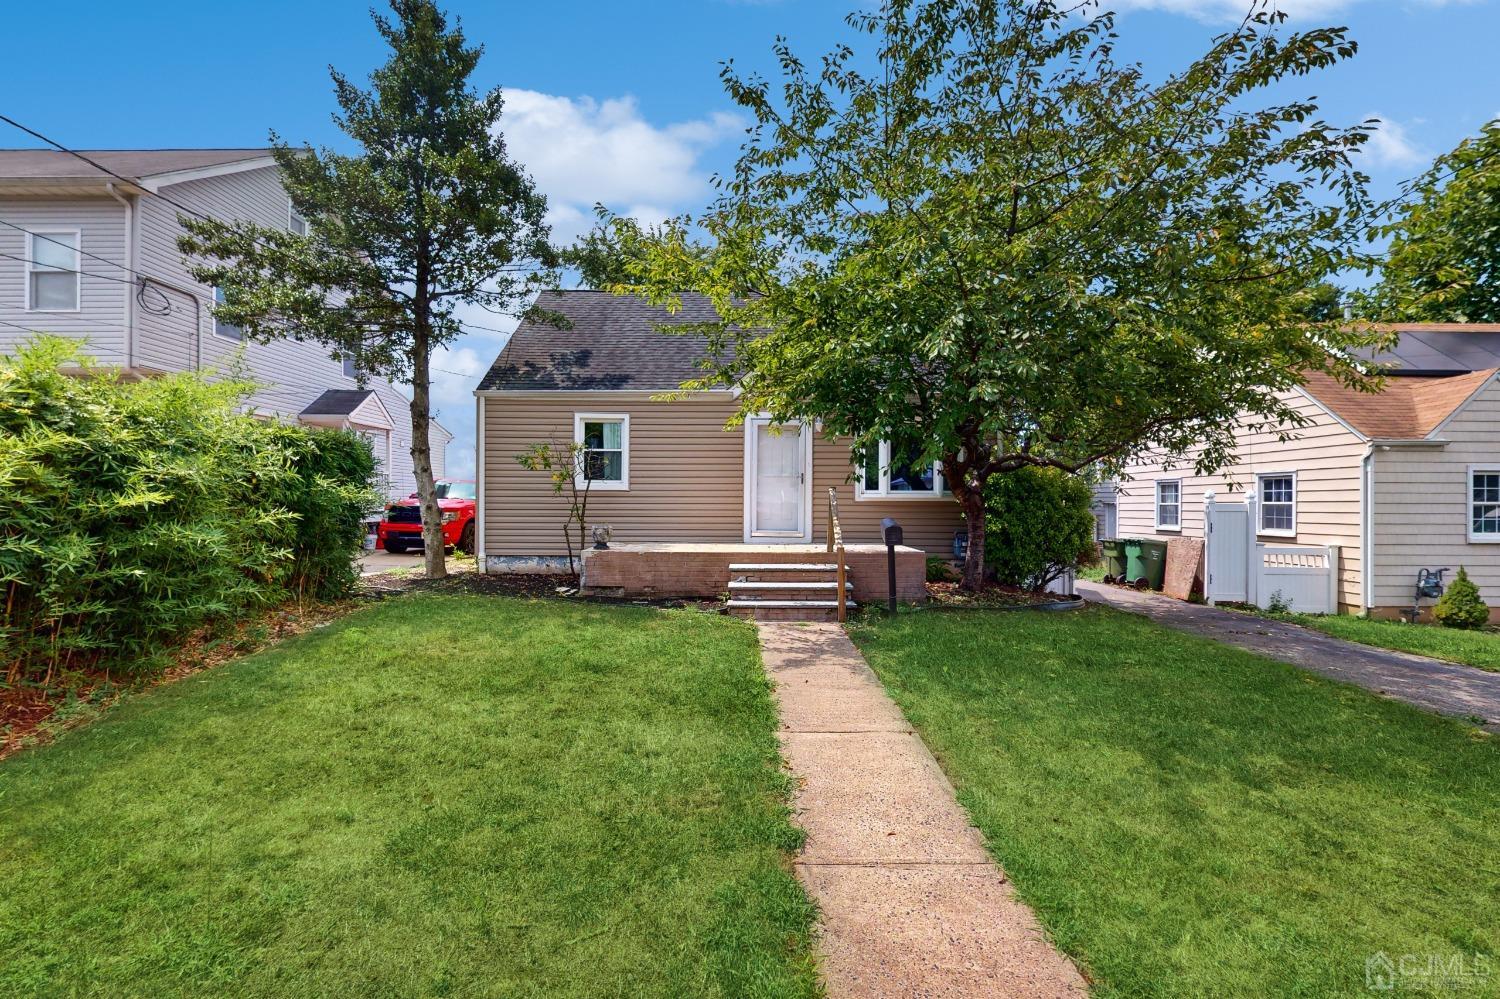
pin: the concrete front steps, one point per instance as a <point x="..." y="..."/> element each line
<point x="787" y="591"/>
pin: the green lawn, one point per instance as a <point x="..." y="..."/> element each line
<point x="439" y="795"/>
<point x="1475" y="648"/>
<point x="1189" y="819"/>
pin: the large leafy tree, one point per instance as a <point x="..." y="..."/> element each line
<point x="1444" y="259"/>
<point x="997" y="247"/>
<point x="429" y="214"/>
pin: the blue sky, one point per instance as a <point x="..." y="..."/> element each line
<point x="620" y="102"/>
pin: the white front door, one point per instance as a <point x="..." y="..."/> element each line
<point x="777" y="479"/>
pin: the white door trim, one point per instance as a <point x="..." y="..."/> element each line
<point x="804" y="436"/>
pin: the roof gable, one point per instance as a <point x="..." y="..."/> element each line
<point x="1407" y="408"/>
<point x="613" y="344"/>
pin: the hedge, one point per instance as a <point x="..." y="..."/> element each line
<point x="1038" y="524"/>
<point x="136" y="512"/>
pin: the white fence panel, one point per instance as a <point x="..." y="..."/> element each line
<point x="1238" y="569"/>
<point x="1303" y="579"/>
<point x="1226" y="551"/>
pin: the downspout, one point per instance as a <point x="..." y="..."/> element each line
<point x="1367" y="528"/>
<point x="128" y="312"/>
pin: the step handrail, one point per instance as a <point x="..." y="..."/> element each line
<point x="836" y="546"/>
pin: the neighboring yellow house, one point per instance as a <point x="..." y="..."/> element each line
<point x="1401" y="480"/>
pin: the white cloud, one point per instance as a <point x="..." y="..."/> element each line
<point x="1391" y="146"/>
<point x="581" y="152"/>
<point x="1220" y="11"/>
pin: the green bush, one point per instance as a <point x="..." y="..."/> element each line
<point x="940" y="570"/>
<point x="1038" y="524"/>
<point x="137" y="511"/>
<point x="1460" y="606"/>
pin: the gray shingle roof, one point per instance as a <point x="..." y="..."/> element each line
<point x="130" y="163"/>
<point x="614" y="343"/>
<point x="337" y="402"/>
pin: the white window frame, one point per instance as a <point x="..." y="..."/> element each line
<point x="1477" y="539"/>
<point x="291" y="215"/>
<point x="1260" y="506"/>
<point x="883" y="458"/>
<point x="217" y="323"/>
<point x="350" y="368"/>
<point x="1161" y="525"/>
<point x="77" y="268"/>
<point x="608" y="485"/>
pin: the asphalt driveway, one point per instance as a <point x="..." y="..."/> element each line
<point x="1447" y="688"/>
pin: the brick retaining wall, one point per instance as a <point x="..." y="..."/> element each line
<point x="701" y="571"/>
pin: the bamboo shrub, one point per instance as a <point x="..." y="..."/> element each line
<point x="136" y="512"/>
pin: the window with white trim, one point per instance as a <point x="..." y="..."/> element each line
<point x="1277" y="492"/>
<point x="1484" y="504"/>
<point x="226" y="330"/>
<point x="605" y="461"/>
<point x="295" y="224"/>
<point x="888" y="476"/>
<point x="1169" y="504"/>
<point x="52" y="271"/>
<point x="351" y="370"/>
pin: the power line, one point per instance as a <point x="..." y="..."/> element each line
<point x="106" y="170"/>
<point x="68" y="270"/>
<point x="75" y="249"/>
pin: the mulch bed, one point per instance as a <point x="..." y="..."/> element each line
<point x="992" y="595"/>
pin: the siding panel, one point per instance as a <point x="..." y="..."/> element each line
<point x="1326" y="457"/>
<point x="686" y="478"/>
<point x="100" y="320"/>
<point x="1422" y="506"/>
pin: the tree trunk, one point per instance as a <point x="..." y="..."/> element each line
<point x="421" y="456"/>
<point x="973" y="507"/>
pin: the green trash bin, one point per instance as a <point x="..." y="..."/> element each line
<point x="1149" y="565"/>
<point x="1130" y="549"/>
<point x="1113" y="551"/>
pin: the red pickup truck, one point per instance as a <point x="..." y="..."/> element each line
<point x="401" y="527"/>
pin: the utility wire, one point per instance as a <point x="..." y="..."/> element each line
<point x="106" y="170"/>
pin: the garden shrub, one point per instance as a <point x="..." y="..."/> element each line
<point x="1460" y="606"/>
<point x="138" y="511"/>
<point x="1038" y="525"/>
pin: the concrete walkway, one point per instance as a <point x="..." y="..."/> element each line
<point x="912" y="903"/>
<point x="1447" y="688"/>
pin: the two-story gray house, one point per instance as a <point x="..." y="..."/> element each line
<point x="92" y="254"/>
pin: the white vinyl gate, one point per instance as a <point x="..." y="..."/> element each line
<point x="1239" y="569"/>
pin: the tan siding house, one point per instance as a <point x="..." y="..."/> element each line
<point x="137" y="308"/>
<point x="1396" y="479"/>
<point x="669" y="470"/>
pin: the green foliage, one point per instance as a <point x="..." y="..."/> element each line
<point x="136" y="512"/>
<point x="1444" y="259"/>
<point x="430" y="214"/>
<point x="1460" y="606"/>
<point x="1038" y="524"/>
<point x="940" y="570"/>
<point x="989" y="242"/>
